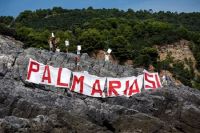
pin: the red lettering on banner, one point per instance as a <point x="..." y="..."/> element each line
<point x="146" y="75"/>
<point x="157" y="81"/>
<point x="112" y="86"/>
<point x="31" y="69"/>
<point x="77" y="80"/>
<point x="134" y="88"/>
<point x="96" y="88"/>
<point x="59" y="78"/>
<point x="127" y="87"/>
<point x="48" y="77"/>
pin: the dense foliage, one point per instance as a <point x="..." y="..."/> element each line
<point x="131" y="34"/>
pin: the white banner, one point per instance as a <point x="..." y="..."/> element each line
<point x="124" y="86"/>
<point x="91" y="85"/>
<point x="48" y="75"/>
<point x="151" y="80"/>
<point x="34" y="73"/>
<point x="43" y="74"/>
<point x="87" y="84"/>
<point x="63" y="77"/>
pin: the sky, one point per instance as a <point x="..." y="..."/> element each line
<point x="14" y="7"/>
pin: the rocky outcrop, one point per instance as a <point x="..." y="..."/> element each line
<point x="26" y="107"/>
<point x="179" y="51"/>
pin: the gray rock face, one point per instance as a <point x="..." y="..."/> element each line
<point x="29" y="108"/>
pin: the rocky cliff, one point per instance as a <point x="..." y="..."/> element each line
<point x="179" y="51"/>
<point x="26" y="107"/>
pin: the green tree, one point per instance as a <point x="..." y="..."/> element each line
<point x="90" y="40"/>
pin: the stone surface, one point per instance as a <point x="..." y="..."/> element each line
<point x="30" y="108"/>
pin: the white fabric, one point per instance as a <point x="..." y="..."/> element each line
<point x="151" y="80"/>
<point x="91" y="85"/>
<point x="123" y="86"/>
<point x="52" y="75"/>
<point x="65" y="77"/>
<point x="35" y="77"/>
<point x="88" y="84"/>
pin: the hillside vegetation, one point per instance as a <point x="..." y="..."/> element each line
<point x="131" y="34"/>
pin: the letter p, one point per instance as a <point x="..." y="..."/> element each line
<point x="33" y="67"/>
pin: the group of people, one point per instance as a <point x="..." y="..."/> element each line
<point x="53" y="44"/>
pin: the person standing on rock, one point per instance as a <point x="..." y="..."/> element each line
<point x="53" y="41"/>
<point x="164" y="78"/>
<point x="151" y="68"/>
<point x="107" y="55"/>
